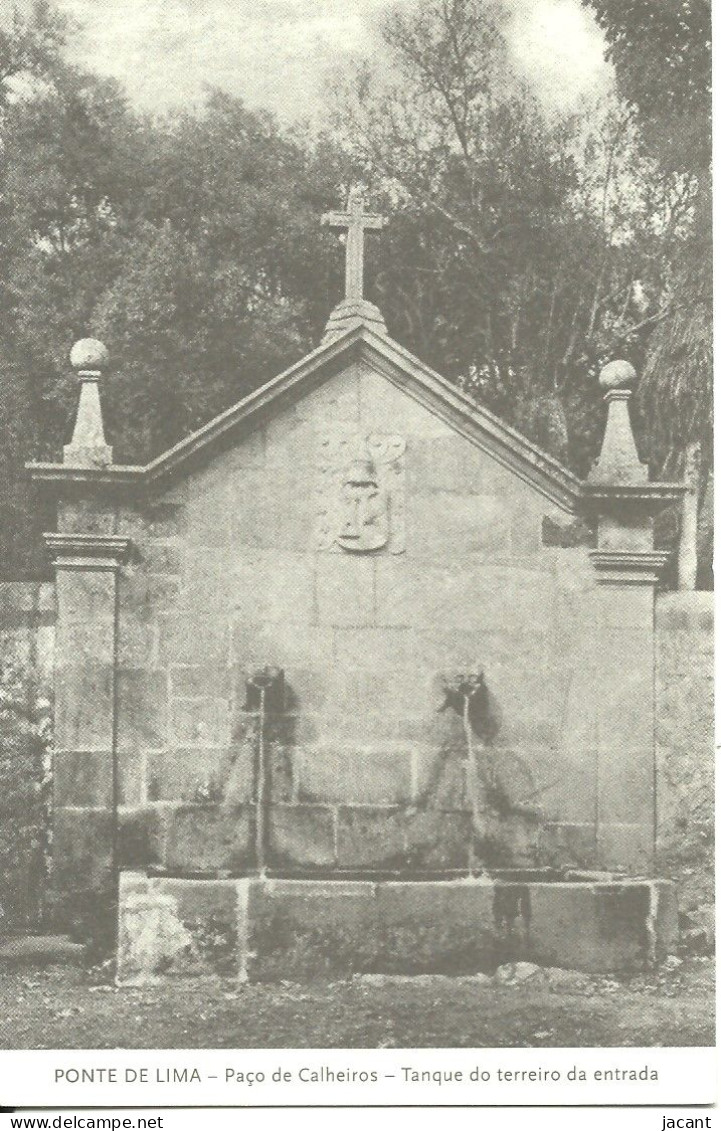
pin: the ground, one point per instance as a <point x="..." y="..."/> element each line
<point x="75" y="1008"/>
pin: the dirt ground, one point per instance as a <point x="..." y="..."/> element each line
<point x="74" y="1008"/>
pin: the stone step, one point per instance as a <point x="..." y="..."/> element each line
<point x="41" y="950"/>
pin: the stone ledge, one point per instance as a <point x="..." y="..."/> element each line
<point x="274" y="929"/>
<point x="628" y="567"/>
<point x="87" y="551"/>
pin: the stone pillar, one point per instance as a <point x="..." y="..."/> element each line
<point x="84" y="759"/>
<point x="625" y="777"/>
<point x="86" y="561"/>
<point x="627" y="568"/>
<point x="688" y="530"/>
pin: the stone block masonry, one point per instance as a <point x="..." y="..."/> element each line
<point x="86" y="769"/>
<point x="368" y="768"/>
<point x="449" y="689"/>
<point x="459" y="690"/>
<point x="27" y="645"/>
<point x="685" y="744"/>
<point x="277" y="929"/>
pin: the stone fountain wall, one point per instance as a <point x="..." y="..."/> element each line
<point x="236" y="568"/>
<point x="591" y="732"/>
<point x="685" y="744"/>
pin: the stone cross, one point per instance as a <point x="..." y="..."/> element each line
<point x="356" y="222"/>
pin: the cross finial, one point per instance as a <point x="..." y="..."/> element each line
<point x="356" y="222"/>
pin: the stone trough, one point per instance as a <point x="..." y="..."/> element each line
<point x="268" y="928"/>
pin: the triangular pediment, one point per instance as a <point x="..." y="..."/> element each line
<point x="360" y="343"/>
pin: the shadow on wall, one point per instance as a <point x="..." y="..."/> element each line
<point x="498" y="819"/>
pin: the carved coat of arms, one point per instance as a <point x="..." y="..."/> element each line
<point x="361" y="489"/>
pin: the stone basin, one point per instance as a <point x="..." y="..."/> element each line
<point x="278" y="927"/>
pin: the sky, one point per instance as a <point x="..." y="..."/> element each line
<point x="279" y="53"/>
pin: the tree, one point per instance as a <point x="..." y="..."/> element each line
<point x="226" y="281"/>
<point x="661" y="50"/>
<point x="191" y="244"/>
<point x="518" y="242"/>
<point x="522" y="253"/>
<point x="31" y="46"/>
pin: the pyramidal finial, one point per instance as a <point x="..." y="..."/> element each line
<point x="88" y="447"/>
<point x="618" y="462"/>
<point x="355" y="222"/>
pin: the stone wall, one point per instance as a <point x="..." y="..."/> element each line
<point x="685" y="744"/>
<point x="369" y="762"/>
<point x="26" y="667"/>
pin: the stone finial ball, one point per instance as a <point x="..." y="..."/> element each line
<point x="88" y="354"/>
<point x="617" y="375"/>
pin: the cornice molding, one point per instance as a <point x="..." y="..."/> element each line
<point x="113" y="475"/>
<point x="87" y="552"/>
<point x="652" y="496"/>
<point x="401" y="368"/>
<point x="387" y="357"/>
<point x="628" y="567"/>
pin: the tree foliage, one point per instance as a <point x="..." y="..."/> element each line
<point x="661" y="52"/>
<point x="31" y="46"/>
<point x="525" y="250"/>
<point x="190" y="244"/>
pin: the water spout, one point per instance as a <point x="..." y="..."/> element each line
<point x="467" y="694"/>
<point x="265" y="691"/>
